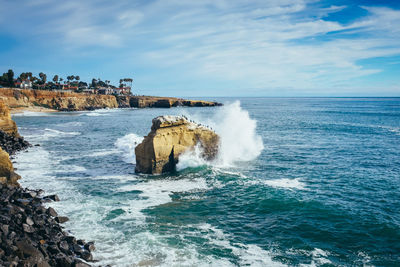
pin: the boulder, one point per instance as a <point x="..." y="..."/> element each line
<point x="169" y="137"/>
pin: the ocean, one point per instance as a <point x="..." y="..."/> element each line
<point x="297" y="182"/>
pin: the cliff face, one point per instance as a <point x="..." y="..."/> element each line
<point x="166" y="102"/>
<point x="7" y="174"/>
<point x="8" y="130"/>
<point x="67" y="101"/>
<point x="63" y="101"/>
<point x="7" y="125"/>
<point x="170" y="136"/>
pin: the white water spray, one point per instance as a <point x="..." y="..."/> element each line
<point x="127" y="145"/>
<point x="239" y="139"/>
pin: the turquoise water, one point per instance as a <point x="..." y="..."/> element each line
<point x="299" y="182"/>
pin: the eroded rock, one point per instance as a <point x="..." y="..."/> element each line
<point x="171" y="136"/>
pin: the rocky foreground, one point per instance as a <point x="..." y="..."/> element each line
<point x="31" y="234"/>
<point x="170" y="136"/>
<point x="68" y="101"/>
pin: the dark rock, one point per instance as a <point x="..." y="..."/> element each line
<point x="29" y="221"/>
<point x="12" y="144"/>
<point x="90" y="246"/>
<point x="4" y="229"/>
<point x="53" y="249"/>
<point x="31" y="235"/>
<point x="64" y="246"/>
<point x="25" y="250"/>
<point x="70" y="239"/>
<point x="29" y="194"/>
<point x="77" y="248"/>
<point x="51" y="212"/>
<point x="63" y="261"/>
<point x="28" y="228"/>
<point x="81" y="264"/>
<point x="86" y="255"/>
<point x="53" y="197"/>
<point x="62" y="219"/>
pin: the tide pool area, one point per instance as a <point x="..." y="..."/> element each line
<point x="298" y="181"/>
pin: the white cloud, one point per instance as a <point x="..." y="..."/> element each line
<point x="257" y="44"/>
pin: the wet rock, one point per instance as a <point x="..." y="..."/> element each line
<point x="53" y="197"/>
<point x="62" y="219"/>
<point x="51" y="212"/>
<point x="86" y="255"/>
<point x="81" y="264"/>
<point x="90" y="246"/>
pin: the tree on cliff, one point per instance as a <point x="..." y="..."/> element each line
<point x="10" y="77"/>
<point x="70" y="78"/>
<point x="55" y="80"/>
<point x="23" y="76"/>
<point x="94" y="82"/>
<point x="43" y="77"/>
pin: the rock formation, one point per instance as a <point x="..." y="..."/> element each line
<point x="69" y="101"/>
<point x="10" y="140"/>
<point x="166" y="102"/>
<point x="63" y="101"/>
<point x="7" y="125"/>
<point x="7" y="174"/>
<point x="170" y="136"/>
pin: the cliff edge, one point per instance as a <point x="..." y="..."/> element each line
<point x="69" y="101"/>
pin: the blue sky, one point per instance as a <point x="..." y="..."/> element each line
<point x="210" y="47"/>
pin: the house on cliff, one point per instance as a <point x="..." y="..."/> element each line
<point x="24" y="84"/>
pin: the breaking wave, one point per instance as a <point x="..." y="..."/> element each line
<point x="239" y="139"/>
<point x="127" y="144"/>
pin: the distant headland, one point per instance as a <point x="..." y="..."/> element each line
<point x="28" y="92"/>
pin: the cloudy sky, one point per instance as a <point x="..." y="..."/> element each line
<point x="210" y="47"/>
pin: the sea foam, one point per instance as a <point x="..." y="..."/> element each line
<point x="239" y="139"/>
<point x="127" y="144"/>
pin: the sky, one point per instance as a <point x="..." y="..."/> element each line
<point x="234" y="48"/>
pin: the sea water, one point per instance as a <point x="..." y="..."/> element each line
<point x="298" y="181"/>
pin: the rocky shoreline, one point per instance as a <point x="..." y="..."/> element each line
<point x="31" y="234"/>
<point x="69" y="101"/>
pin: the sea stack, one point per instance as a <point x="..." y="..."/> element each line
<point x="169" y="137"/>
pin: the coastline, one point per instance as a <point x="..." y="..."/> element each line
<point x="20" y="110"/>
<point x="39" y="239"/>
<point x="31" y="233"/>
<point x="47" y="101"/>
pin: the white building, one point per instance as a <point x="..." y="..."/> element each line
<point x="25" y="84"/>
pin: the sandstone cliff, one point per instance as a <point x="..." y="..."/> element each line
<point x="63" y="101"/>
<point x="8" y="133"/>
<point x="170" y="136"/>
<point x="7" y="125"/>
<point x="68" y="101"/>
<point x="167" y="102"/>
<point x="7" y="174"/>
<point x="10" y="140"/>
